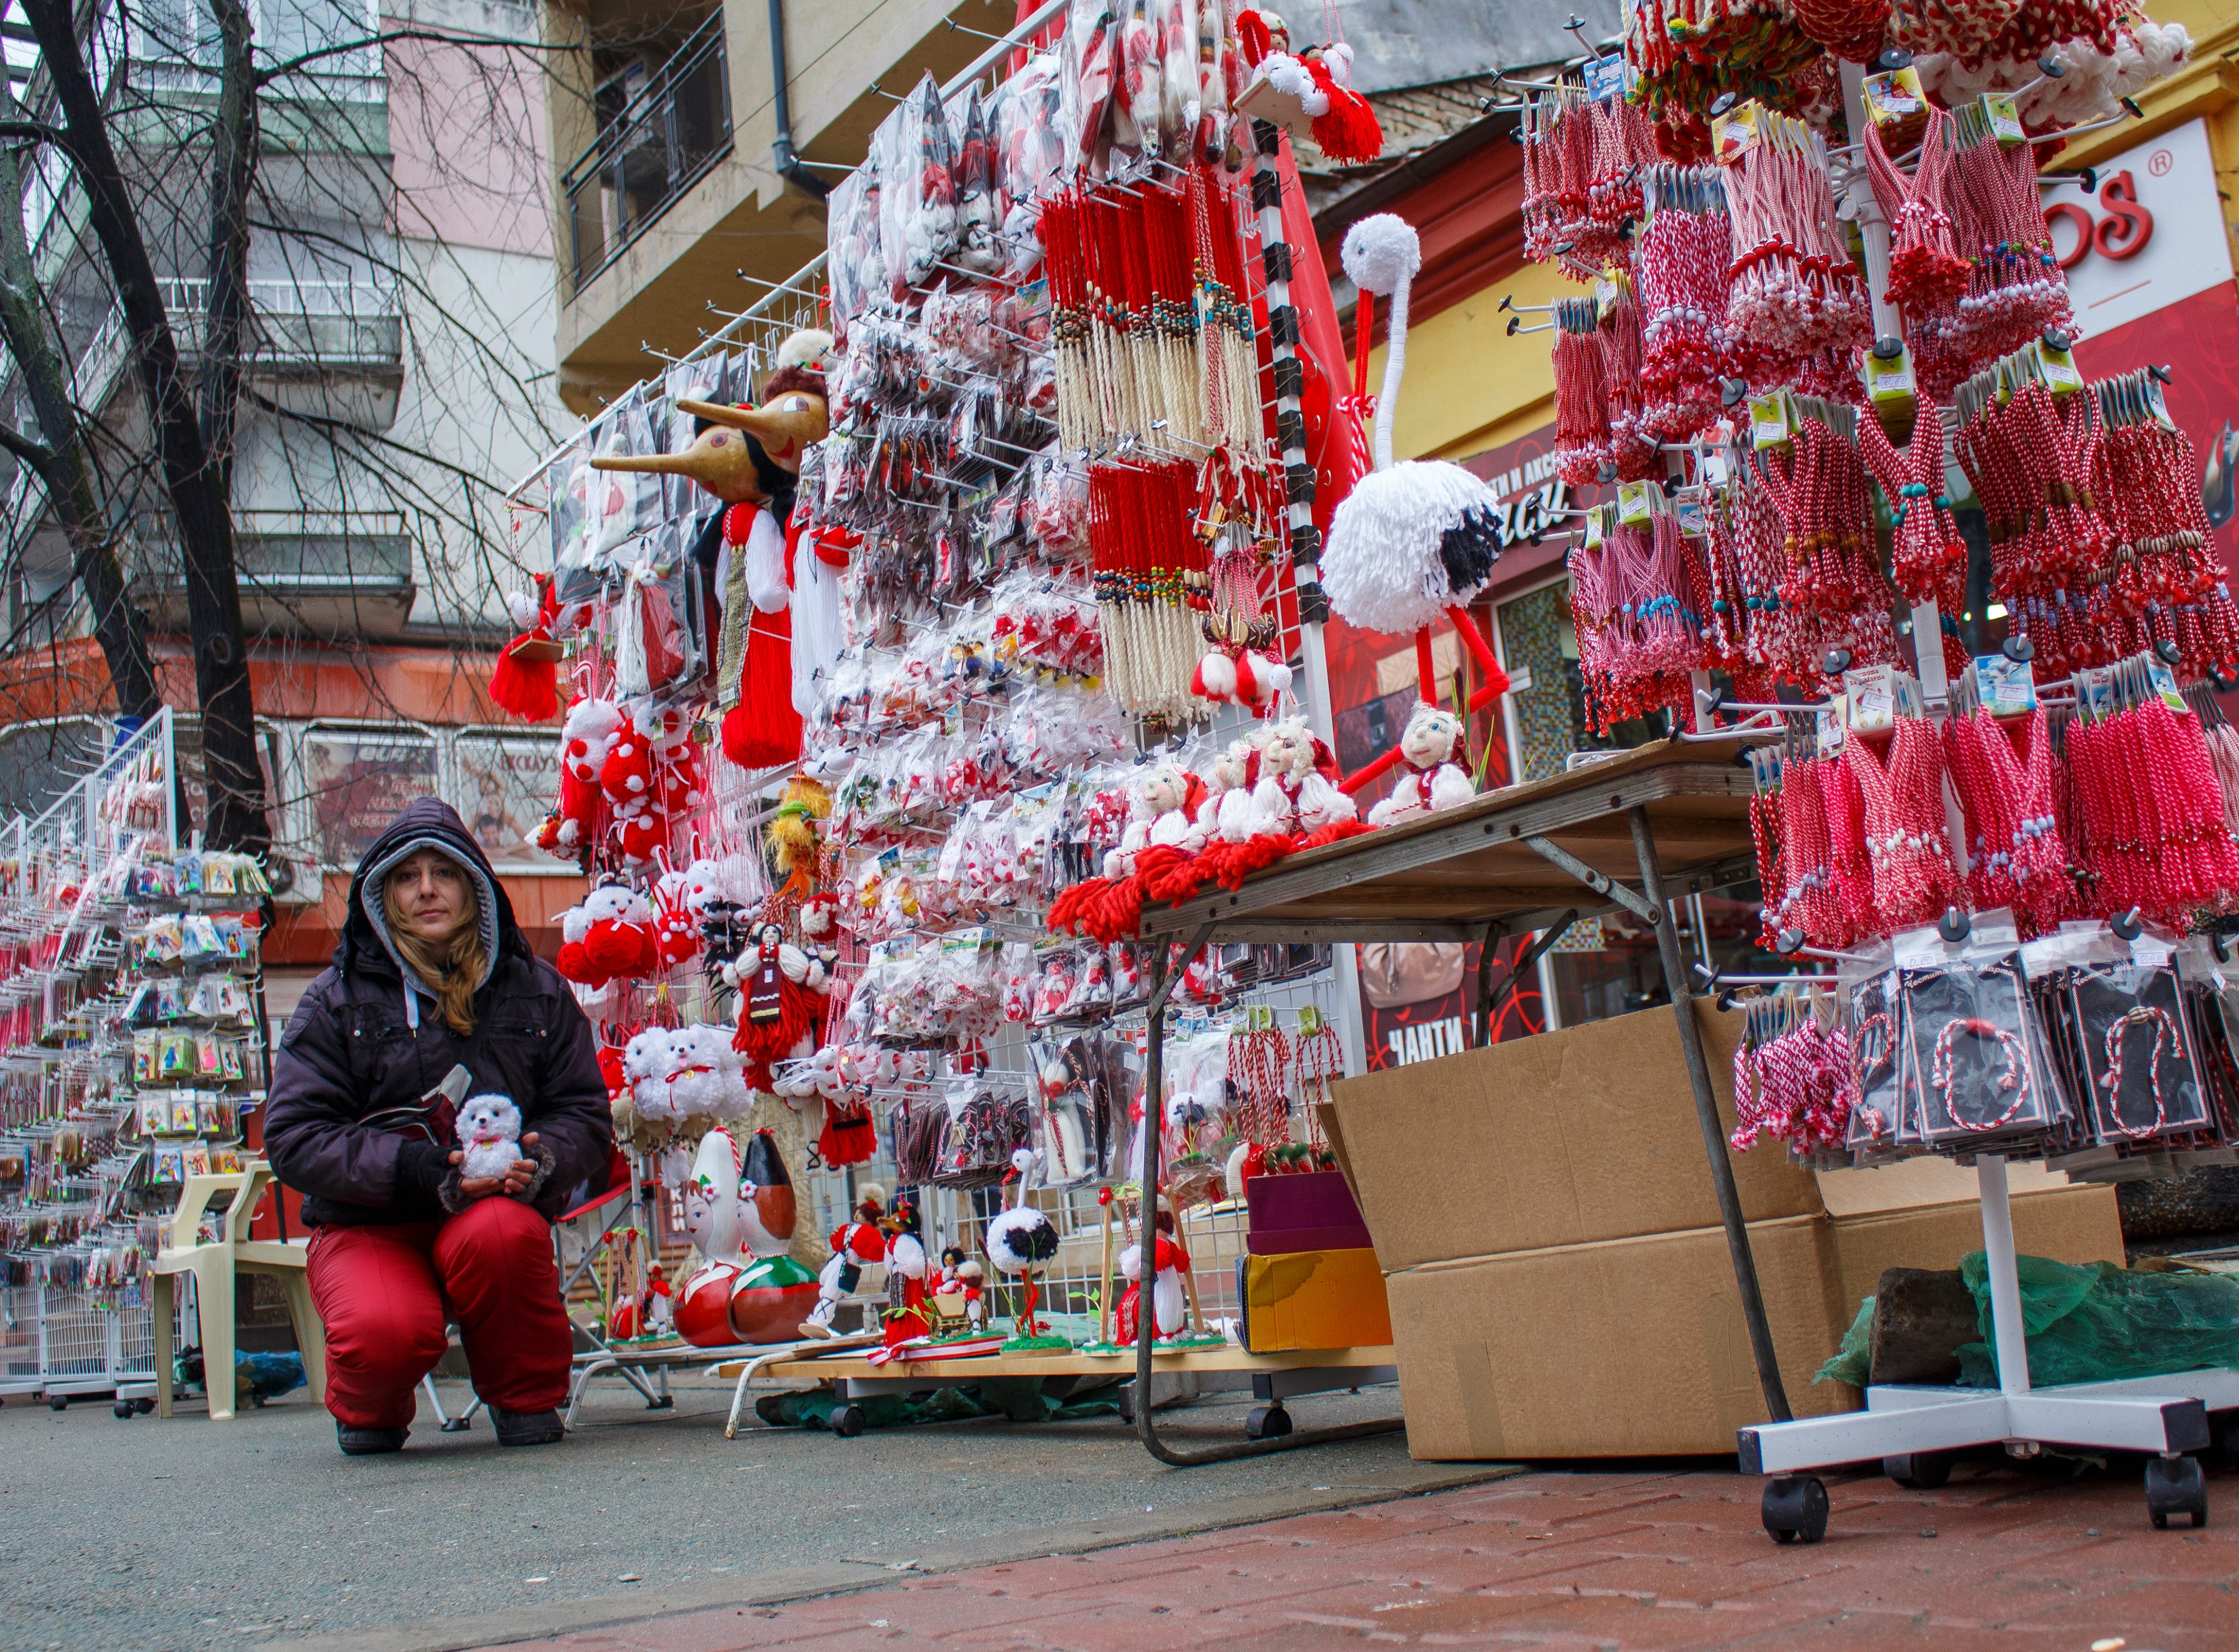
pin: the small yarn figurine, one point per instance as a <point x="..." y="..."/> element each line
<point x="489" y="1130"/>
<point x="1431" y="777"/>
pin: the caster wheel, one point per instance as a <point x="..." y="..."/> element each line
<point x="2176" y="1486"/>
<point x="457" y="1425"/>
<point x="1127" y="1405"/>
<point x="59" y="1402"/>
<point x="768" y="1408"/>
<point x="666" y="1402"/>
<point x="1267" y="1423"/>
<point x="1796" y="1508"/>
<point x="1921" y="1471"/>
<point x="125" y="1408"/>
<point x="146" y="1408"/>
<point x="848" y="1421"/>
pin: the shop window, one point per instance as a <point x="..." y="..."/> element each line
<point x="356" y="780"/>
<point x="505" y="785"/>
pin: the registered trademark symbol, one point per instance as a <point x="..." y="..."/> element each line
<point x="2159" y="163"/>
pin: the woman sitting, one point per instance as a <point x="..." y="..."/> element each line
<point x="434" y="974"/>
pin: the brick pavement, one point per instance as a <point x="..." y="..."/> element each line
<point x="1638" y="1562"/>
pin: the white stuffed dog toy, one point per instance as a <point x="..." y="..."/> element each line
<point x="490" y="1132"/>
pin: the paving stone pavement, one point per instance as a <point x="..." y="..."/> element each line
<point x="1663" y="1561"/>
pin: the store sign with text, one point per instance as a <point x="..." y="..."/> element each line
<point x="2151" y="236"/>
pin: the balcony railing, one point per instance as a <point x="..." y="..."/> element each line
<point x="292" y="323"/>
<point x="659" y="144"/>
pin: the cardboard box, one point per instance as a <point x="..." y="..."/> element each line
<point x="1911" y="1184"/>
<point x="1635" y="1347"/>
<point x="1303" y="1210"/>
<point x="1570" y="1137"/>
<point x="1630" y="1347"/>
<point x="1313" y="1299"/>
<point x="2066" y="1224"/>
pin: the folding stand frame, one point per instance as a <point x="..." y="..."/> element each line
<point x="1478" y="873"/>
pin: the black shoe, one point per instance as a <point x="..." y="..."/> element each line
<point x="370" y="1443"/>
<point x="527" y="1428"/>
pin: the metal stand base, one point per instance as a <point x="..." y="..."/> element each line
<point x="2164" y="1416"/>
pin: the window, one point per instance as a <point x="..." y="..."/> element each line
<point x="357" y="781"/>
<point x="507" y="785"/>
<point x="287" y="28"/>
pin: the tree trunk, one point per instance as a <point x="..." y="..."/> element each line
<point x="117" y="624"/>
<point x="195" y="480"/>
<point x="233" y="166"/>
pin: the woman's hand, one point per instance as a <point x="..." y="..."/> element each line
<point x="524" y="1172"/>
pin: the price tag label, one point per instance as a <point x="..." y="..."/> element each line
<point x="1833" y="723"/>
<point x="1892" y="97"/>
<point x="2164" y="682"/>
<point x="1769" y="426"/>
<point x="1890" y="378"/>
<point x="1736" y="132"/>
<point x="2004" y="119"/>
<point x="1634" y="506"/>
<point x="2060" y="370"/>
<point x="1871" y="692"/>
<point x="2008" y="686"/>
<point x="1607" y="78"/>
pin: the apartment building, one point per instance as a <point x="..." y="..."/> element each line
<point x="401" y="376"/>
<point x="692" y="146"/>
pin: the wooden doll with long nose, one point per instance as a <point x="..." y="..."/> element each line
<point x="749" y="457"/>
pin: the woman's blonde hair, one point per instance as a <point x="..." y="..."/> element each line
<point x="453" y="967"/>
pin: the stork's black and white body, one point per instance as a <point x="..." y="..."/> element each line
<point x="1020" y="1240"/>
<point x="1412" y="540"/>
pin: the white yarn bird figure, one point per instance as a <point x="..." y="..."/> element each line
<point x="1412" y="540"/>
<point x="1021" y="1239"/>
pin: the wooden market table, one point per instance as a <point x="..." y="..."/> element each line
<point x="1671" y="817"/>
<point x="1275" y="1378"/>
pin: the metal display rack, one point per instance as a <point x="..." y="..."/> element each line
<point x="1678" y="813"/>
<point x="61" y="1341"/>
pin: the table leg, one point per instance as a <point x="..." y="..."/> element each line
<point x="163" y="1306"/>
<point x="1493" y="931"/>
<point x="1706" y="1111"/>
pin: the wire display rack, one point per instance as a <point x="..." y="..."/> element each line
<point x="64" y="1343"/>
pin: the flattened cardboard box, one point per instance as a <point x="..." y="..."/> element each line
<point x="2064" y="1224"/>
<point x="1567" y="1137"/>
<point x="1625" y="1348"/>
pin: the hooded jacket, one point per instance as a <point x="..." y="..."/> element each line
<point x="362" y="1040"/>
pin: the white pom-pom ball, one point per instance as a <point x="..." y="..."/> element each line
<point x="1218" y="672"/>
<point x="1381" y="251"/>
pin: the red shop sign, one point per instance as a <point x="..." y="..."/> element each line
<point x="2122" y="233"/>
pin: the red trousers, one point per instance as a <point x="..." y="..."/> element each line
<point x="385" y="1293"/>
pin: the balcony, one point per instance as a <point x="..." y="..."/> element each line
<point x="328" y="575"/>
<point x="345" y="338"/>
<point x="660" y="143"/>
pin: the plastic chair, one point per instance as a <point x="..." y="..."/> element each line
<point x="214" y="1265"/>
